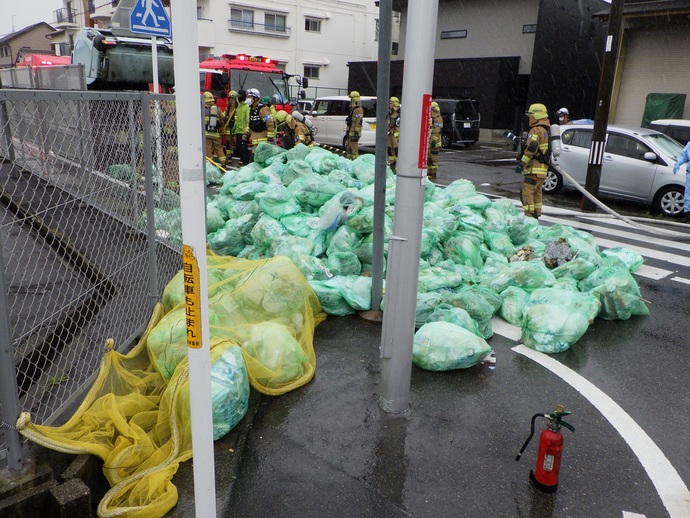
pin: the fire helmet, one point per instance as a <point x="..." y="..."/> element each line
<point x="538" y="111"/>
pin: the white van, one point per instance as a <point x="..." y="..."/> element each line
<point x="328" y="116"/>
<point x="677" y="129"/>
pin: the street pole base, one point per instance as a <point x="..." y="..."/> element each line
<point x="373" y="316"/>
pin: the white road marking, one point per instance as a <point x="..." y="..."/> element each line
<point x="671" y="489"/>
<point x="627" y="514"/>
<point x="651" y="272"/>
<point x="681" y="279"/>
<point x="503" y="328"/>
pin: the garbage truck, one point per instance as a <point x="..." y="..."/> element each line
<point x="116" y="62"/>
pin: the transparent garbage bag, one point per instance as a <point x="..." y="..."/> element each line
<point x="442" y="346"/>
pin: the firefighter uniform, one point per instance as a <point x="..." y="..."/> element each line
<point x="293" y="131"/>
<point x="262" y="127"/>
<point x="213" y="121"/>
<point x="393" y="131"/>
<point x="533" y="162"/>
<point x="434" y="140"/>
<point x="354" y="125"/>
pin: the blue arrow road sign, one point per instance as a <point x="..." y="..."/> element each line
<point x="149" y="17"/>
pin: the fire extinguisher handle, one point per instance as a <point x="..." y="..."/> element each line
<point x="567" y="425"/>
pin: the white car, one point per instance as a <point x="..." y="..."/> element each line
<point x="328" y="117"/>
<point x="638" y="166"/>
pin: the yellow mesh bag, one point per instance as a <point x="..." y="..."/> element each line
<point x="137" y="419"/>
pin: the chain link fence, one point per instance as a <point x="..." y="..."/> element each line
<point x="83" y="177"/>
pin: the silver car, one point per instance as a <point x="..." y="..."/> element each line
<point x="638" y="166"/>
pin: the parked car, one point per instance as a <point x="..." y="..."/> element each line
<point x="677" y="129"/>
<point x="461" y="120"/>
<point x="328" y="117"/>
<point x="304" y="106"/>
<point x="638" y="166"/>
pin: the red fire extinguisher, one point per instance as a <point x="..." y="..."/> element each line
<point x="545" y="475"/>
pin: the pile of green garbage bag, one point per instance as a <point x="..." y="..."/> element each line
<point x="478" y="255"/>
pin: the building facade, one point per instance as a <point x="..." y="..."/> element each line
<point x="507" y="55"/>
<point x="31" y="38"/>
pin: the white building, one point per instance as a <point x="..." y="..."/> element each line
<point x="314" y="39"/>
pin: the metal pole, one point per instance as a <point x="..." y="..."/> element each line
<point x="601" y="115"/>
<point x="7" y="129"/>
<point x="148" y="175"/>
<point x="383" y="76"/>
<point x="405" y="243"/>
<point x="157" y="116"/>
<point x="9" y="392"/>
<point x="193" y="204"/>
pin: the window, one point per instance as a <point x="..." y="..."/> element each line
<point x="312" y="25"/>
<point x="275" y="22"/>
<point x="625" y="146"/>
<point x="376" y="31"/>
<point x="449" y="35"/>
<point x="241" y="18"/>
<point x="529" y="29"/>
<point x="394" y="48"/>
<point x="312" y="72"/>
<point x="578" y="138"/>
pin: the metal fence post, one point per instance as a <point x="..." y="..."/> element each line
<point x="9" y="395"/>
<point x="7" y="130"/>
<point x="148" y="174"/>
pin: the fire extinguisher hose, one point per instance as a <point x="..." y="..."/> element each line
<point x="531" y="434"/>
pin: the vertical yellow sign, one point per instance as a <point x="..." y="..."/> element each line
<point x="192" y="297"/>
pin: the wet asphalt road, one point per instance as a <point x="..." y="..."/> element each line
<point x="328" y="450"/>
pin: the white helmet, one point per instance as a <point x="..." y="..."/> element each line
<point x="254" y="93"/>
<point x="563" y="111"/>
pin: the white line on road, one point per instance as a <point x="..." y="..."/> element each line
<point x="627" y="514"/>
<point x="681" y="279"/>
<point x="670" y="487"/>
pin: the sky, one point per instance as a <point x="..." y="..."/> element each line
<point x="23" y="13"/>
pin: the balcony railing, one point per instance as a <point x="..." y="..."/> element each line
<point x="276" y="31"/>
<point x="66" y="16"/>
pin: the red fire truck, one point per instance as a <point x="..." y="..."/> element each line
<point x="219" y="75"/>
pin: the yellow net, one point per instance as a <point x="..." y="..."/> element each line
<point x="136" y="416"/>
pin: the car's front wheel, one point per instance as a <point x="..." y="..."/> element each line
<point x="445" y="140"/>
<point x="553" y="182"/>
<point x="669" y="200"/>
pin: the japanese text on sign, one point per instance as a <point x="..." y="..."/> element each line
<point x="424" y="131"/>
<point x="192" y="297"/>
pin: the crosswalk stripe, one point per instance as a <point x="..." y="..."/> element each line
<point x="600" y="229"/>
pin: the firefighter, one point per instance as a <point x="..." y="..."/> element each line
<point x="434" y="140"/>
<point x="267" y="101"/>
<point x="294" y="132"/>
<point x="261" y="125"/>
<point x="354" y="125"/>
<point x="240" y="127"/>
<point x="227" y="128"/>
<point x="213" y="121"/>
<point x="393" y="131"/>
<point x="533" y="160"/>
<point x="563" y="117"/>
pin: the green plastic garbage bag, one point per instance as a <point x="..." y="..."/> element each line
<point x="522" y="229"/>
<point x="442" y="346"/>
<point x="331" y="299"/>
<point x="554" y="319"/>
<point x="435" y="278"/>
<point x="296" y="224"/>
<point x="229" y="389"/>
<point x="264" y="151"/>
<point x="243" y="175"/>
<point x="630" y="258"/>
<point x="291" y="246"/>
<point x="266" y="230"/>
<point x="120" y="171"/>
<point x="314" y="190"/>
<point x="230" y="239"/>
<point x="463" y="250"/>
<point x="355" y="289"/>
<point x="439" y="220"/>
<point x="313" y="268"/>
<point x="577" y="269"/>
<point x="527" y="275"/>
<point x="297" y="152"/>
<point x="363" y="168"/>
<point x="296" y="169"/>
<point x="322" y="161"/>
<point x="514" y="302"/>
<point x="458" y="316"/>
<point x="214" y="176"/>
<point x="214" y="218"/>
<point x="248" y="190"/>
<point x="344" y="263"/>
<point x="344" y="240"/>
<point x="425" y="305"/>
<point x="616" y="289"/>
<point x="276" y="201"/>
